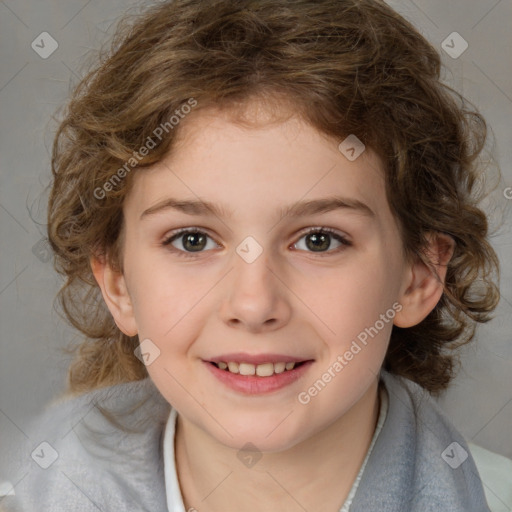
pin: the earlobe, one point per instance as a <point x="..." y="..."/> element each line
<point x="424" y="287"/>
<point x="115" y="294"/>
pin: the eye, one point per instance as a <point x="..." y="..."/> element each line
<point x="192" y="239"/>
<point x="318" y="240"/>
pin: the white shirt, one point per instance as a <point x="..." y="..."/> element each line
<point x="174" y="496"/>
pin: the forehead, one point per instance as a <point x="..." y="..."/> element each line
<point x="257" y="159"/>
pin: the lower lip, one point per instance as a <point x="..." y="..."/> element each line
<point x="254" y="385"/>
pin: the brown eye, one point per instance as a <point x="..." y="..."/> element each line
<point x="320" y="241"/>
<point x="191" y="241"/>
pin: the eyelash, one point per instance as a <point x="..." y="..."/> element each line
<point x="174" y="236"/>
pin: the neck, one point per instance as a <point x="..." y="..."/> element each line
<point x="319" y="470"/>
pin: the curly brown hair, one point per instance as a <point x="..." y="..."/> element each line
<point x="346" y="67"/>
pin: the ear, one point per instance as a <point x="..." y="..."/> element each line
<point x="115" y="293"/>
<point x="423" y="288"/>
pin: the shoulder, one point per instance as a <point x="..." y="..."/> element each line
<point x="423" y="418"/>
<point x="420" y="461"/>
<point x="99" y="450"/>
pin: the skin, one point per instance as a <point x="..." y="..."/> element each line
<point x="291" y="300"/>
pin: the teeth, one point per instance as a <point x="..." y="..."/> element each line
<point x="247" y="369"/>
<point x="265" y="370"/>
<point x="279" y="367"/>
<point x="233" y="367"/>
<point x="261" y="370"/>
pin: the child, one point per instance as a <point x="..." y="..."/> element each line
<point x="266" y="216"/>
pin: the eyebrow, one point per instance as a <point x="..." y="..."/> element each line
<point x="299" y="209"/>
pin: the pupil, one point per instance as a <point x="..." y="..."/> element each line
<point x="318" y="241"/>
<point x="194" y="241"/>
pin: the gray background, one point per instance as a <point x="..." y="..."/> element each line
<point x="32" y="365"/>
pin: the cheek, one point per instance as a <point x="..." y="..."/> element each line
<point x="170" y="309"/>
<point x="350" y="298"/>
<point x="159" y="297"/>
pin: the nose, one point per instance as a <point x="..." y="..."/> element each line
<point x="257" y="298"/>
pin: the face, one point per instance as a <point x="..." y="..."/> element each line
<point x="265" y="275"/>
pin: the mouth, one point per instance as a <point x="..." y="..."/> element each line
<point x="261" y="376"/>
<point x="260" y="370"/>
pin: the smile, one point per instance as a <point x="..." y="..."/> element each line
<point x="261" y="370"/>
<point x="257" y="379"/>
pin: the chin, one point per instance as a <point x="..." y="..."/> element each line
<point x="265" y="437"/>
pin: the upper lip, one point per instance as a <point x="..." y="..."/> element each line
<point x="257" y="358"/>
